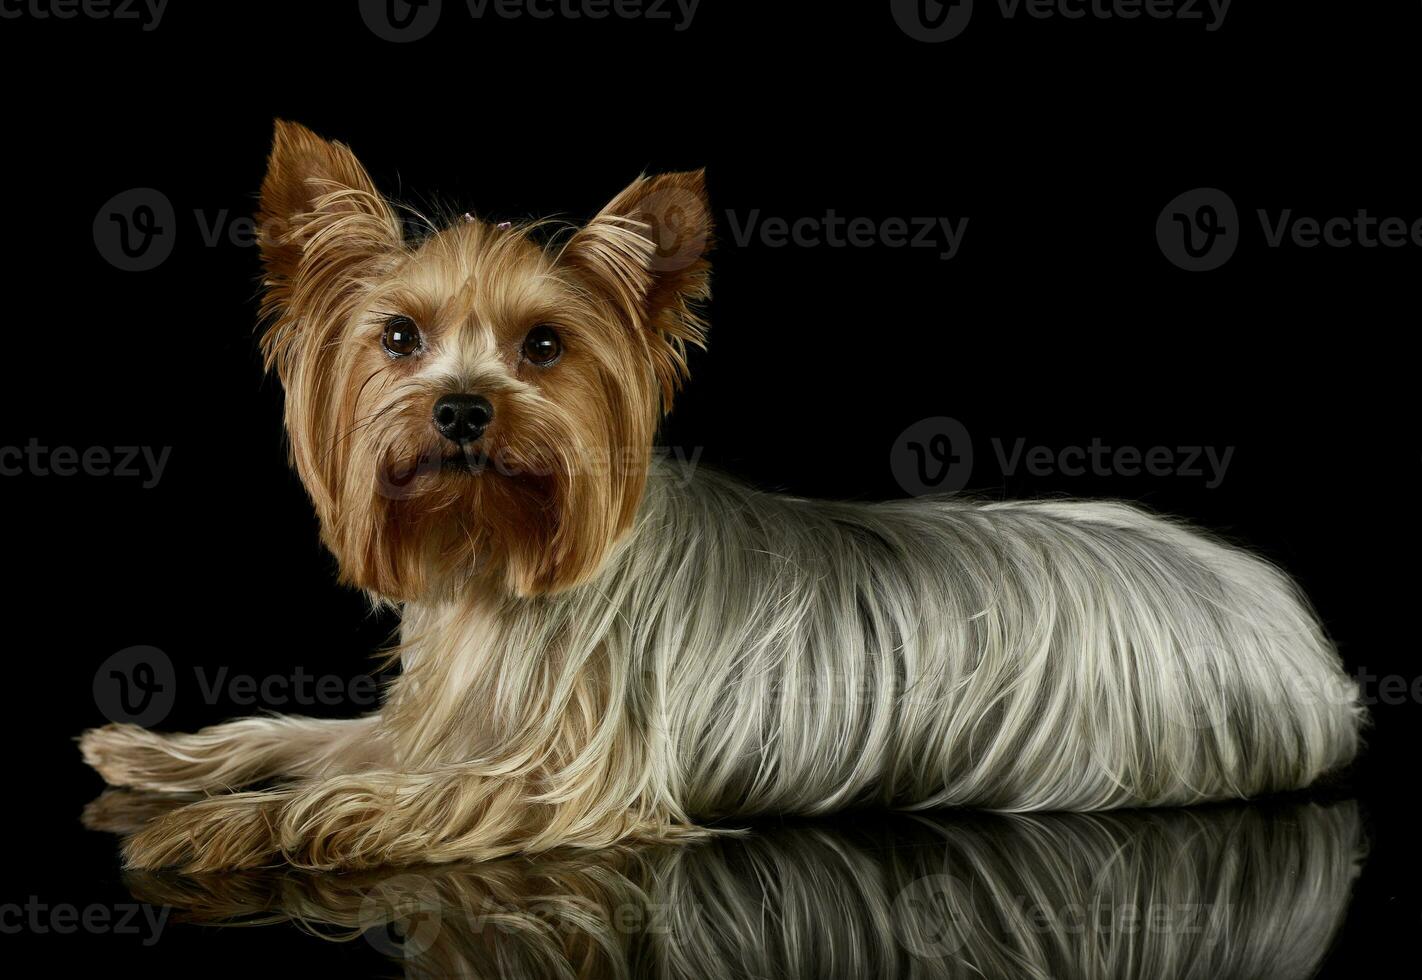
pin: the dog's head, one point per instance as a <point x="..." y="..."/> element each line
<point x="475" y="403"/>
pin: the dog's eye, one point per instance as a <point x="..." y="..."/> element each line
<point x="542" y="345"/>
<point x="401" y="337"/>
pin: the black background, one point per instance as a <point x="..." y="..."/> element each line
<point x="1059" y="321"/>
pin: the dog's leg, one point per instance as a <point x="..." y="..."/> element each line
<point x="366" y="819"/>
<point x="237" y="754"/>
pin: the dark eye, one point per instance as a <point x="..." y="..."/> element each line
<point x="542" y="345"/>
<point x="401" y="337"/>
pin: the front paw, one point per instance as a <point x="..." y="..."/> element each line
<point x="117" y="752"/>
<point x="223" y="833"/>
<point x="134" y="757"/>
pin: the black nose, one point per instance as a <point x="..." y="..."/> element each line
<point x="462" y="418"/>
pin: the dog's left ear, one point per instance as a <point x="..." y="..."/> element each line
<point x="646" y="253"/>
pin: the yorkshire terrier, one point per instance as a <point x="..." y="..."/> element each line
<point x="599" y="645"/>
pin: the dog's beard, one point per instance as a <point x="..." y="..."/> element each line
<point x="531" y="505"/>
<point x="441" y="515"/>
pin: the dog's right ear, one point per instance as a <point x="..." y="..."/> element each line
<point x="320" y="221"/>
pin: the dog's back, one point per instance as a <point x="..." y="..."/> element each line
<point x="802" y="656"/>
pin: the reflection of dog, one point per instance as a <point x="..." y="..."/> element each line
<point x="598" y="647"/>
<point x="1226" y="893"/>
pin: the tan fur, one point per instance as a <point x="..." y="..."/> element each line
<point x="231" y="756"/>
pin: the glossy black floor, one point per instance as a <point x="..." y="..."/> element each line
<point x="1224" y="891"/>
<point x="1292" y="887"/>
<point x="1060" y="316"/>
